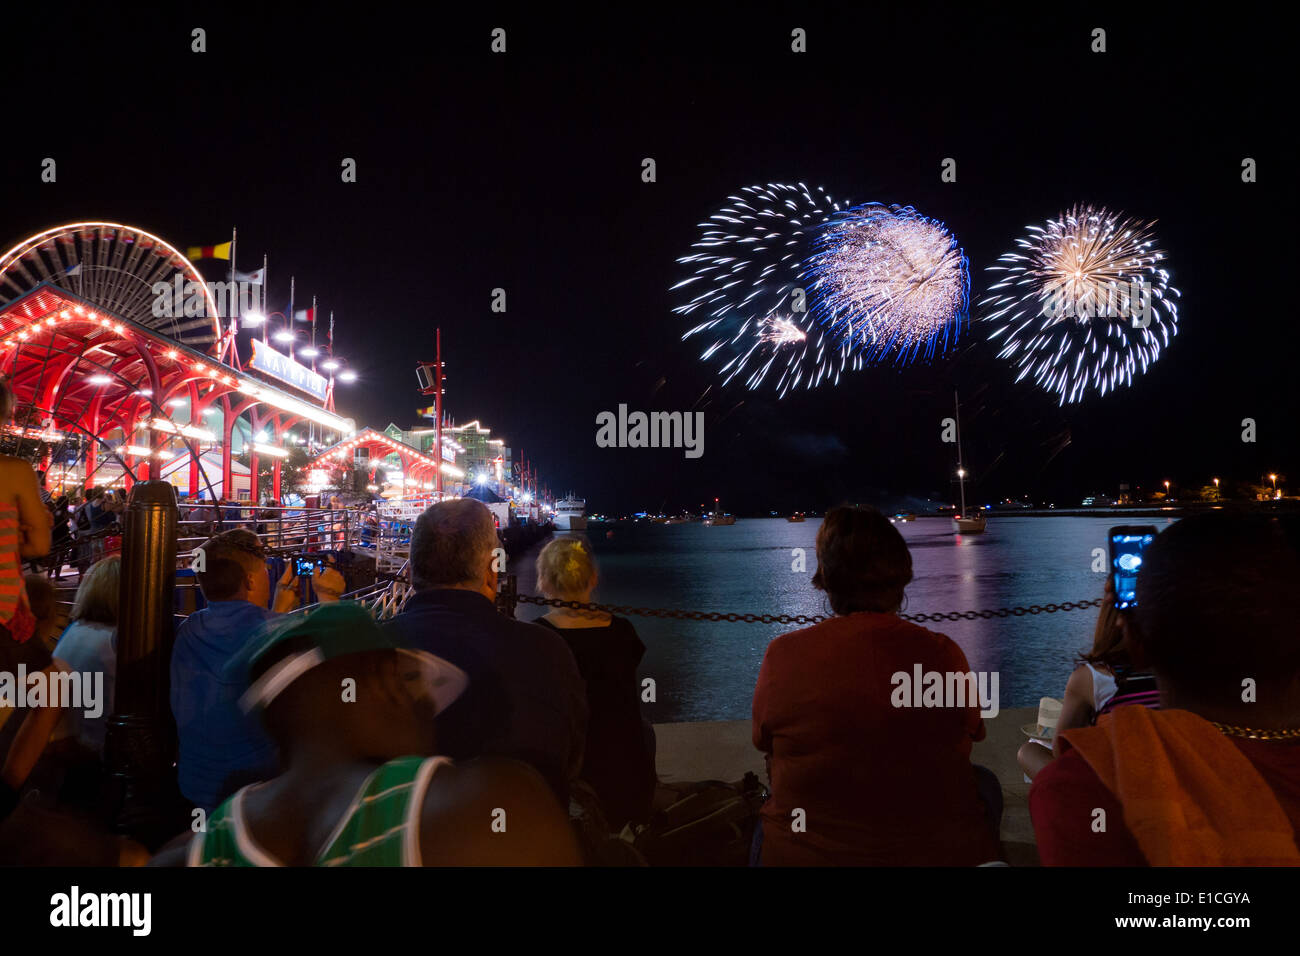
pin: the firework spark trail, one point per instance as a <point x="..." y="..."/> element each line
<point x="747" y="264"/>
<point x="889" y="283"/>
<point x="1086" y="304"/>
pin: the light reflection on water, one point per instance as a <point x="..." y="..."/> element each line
<point x="706" y="670"/>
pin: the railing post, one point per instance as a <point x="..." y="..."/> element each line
<point x="140" y="741"/>
<point x="508" y="595"/>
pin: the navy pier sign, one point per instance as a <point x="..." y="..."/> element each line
<point x="268" y="360"/>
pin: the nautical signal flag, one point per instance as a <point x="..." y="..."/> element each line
<point x="196" y="253"/>
<point x="305" y="315"/>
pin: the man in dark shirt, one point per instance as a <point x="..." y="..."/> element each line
<point x="525" y="699"/>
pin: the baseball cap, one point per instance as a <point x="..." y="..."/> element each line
<point x="290" y="645"/>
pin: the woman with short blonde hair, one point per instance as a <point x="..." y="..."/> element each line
<point x="566" y="572"/>
<point x="89" y="645"/>
<point x="97" y="596"/>
<point x="619" y="759"/>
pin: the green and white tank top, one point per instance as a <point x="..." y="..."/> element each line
<point x="380" y="828"/>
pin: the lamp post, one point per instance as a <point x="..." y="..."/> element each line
<point x="1273" y="478"/>
<point x="264" y="320"/>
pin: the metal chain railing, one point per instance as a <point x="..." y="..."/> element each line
<point x="801" y="618"/>
<point x="387" y="596"/>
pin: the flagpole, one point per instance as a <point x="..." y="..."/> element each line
<point x="291" y="312"/>
<point x="313" y="332"/>
<point x="266" y="319"/>
<point x="330" y="390"/>
<point x="438" y="418"/>
<point x="233" y="236"/>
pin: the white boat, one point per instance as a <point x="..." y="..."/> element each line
<point x="569" y="513"/>
<point x="964" y="522"/>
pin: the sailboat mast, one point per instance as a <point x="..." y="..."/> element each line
<point x="961" y="469"/>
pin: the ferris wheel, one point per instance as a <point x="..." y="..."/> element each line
<point x="116" y="268"/>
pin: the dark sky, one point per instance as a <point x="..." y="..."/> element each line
<point x="522" y="171"/>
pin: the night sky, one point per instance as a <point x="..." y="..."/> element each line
<point x="522" y="171"/>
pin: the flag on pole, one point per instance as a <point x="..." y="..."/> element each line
<point x="209" y="252"/>
<point x="74" y="271"/>
<point x="253" y="278"/>
<point x="305" y="315"/>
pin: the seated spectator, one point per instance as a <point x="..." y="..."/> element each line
<point x="1213" y="777"/>
<point x="1106" y="678"/>
<point x="23" y="748"/>
<point x="619" y="761"/>
<point x="89" y="645"/>
<point x="361" y="785"/>
<point x="220" y="747"/>
<point x="526" y="699"/>
<point x="877" y="784"/>
<point x="44" y="604"/>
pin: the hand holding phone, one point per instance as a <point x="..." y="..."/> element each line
<point x="1127" y="545"/>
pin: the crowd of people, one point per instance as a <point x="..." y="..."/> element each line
<point x="454" y="734"/>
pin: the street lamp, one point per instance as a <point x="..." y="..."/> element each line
<point x="263" y="319"/>
<point x="1273" y="478"/>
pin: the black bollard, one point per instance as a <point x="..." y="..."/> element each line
<point x="140" y="743"/>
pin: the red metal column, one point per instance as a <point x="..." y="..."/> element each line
<point x="194" y="461"/>
<point x="227" y="428"/>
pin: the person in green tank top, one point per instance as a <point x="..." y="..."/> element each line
<point x="353" y="716"/>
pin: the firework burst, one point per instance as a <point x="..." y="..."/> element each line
<point x="889" y="284"/>
<point x="1086" y="303"/>
<point x="746" y="290"/>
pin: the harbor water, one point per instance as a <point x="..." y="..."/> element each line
<point x="706" y="670"/>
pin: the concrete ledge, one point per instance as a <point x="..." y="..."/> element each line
<point x="723" y="750"/>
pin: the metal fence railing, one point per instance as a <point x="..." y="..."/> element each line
<point x="281" y="530"/>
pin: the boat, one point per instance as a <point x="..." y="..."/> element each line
<point x="679" y="519"/>
<point x="718" y="517"/>
<point x="796" y="517"/>
<point x="964" y="522"/>
<point x="903" y="516"/>
<point x="569" y="513"/>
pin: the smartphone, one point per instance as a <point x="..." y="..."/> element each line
<point x="1127" y="545"/>
<point x="305" y="566"/>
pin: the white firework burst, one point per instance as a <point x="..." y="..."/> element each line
<point x="746" y="290"/>
<point x="1085" y="305"/>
